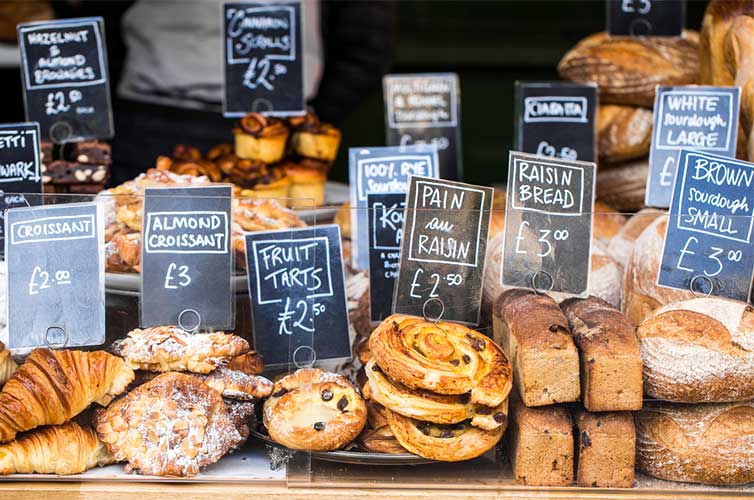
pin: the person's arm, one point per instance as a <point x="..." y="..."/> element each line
<point x="359" y="38"/>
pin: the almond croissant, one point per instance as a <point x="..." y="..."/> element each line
<point x="52" y="387"/>
<point x="59" y="449"/>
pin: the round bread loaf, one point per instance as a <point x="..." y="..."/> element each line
<point x="641" y="293"/>
<point x="623" y="186"/>
<point x="710" y="444"/>
<point x="699" y="350"/>
<point x="622" y="244"/>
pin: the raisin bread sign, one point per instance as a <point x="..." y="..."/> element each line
<point x="548" y="224"/>
<point x="443" y="250"/>
<point x="263" y="59"/>
<point x="708" y="245"/>
<point x="65" y="79"/>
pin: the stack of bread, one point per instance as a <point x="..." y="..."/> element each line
<point x="627" y="70"/>
<point x="583" y="351"/>
<point x="287" y="160"/>
<point x="438" y="390"/>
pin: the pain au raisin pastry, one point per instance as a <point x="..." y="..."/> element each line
<point x="313" y="138"/>
<point x="377" y="437"/>
<point x="57" y="449"/>
<point x="314" y="410"/>
<point x="445" y="358"/>
<point x="51" y="387"/>
<point x="169" y="348"/>
<point x="260" y="138"/>
<point x="430" y="407"/>
<point x="171" y="426"/>
<point x="448" y="443"/>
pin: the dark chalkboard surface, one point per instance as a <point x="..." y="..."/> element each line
<point x="298" y="296"/>
<point x="19" y="169"/>
<point x="385" y="235"/>
<point x="708" y="244"/>
<point x="186" y="258"/>
<point x="443" y="251"/>
<point x="263" y="59"/>
<point x="56" y="276"/>
<point x="64" y="73"/>
<point x="693" y="117"/>
<point x="426" y="109"/>
<point x="548" y="224"/>
<point x="646" y="17"/>
<point x="382" y="170"/>
<point x="556" y="119"/>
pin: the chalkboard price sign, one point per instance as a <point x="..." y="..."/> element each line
<point x="19" y="169"/>
<point x="382" y="170"/>
<point x="64" y="73"/>
<point x="443" y="250"/>
<point x="426" y="109"/>
<point x="556" y="119"/>
<point x="263" y="67"/>
<point x="708" y="244"/>
<point x="186" y="261"/>
<point x="548" y="224"/>
<point x="56" y="276"/>
<point x="646" y="17"/>
<point x="385" y="235"/>
<point x="298" y="296"/>
<point x="699" y="118"/>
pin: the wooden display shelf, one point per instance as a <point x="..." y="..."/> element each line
<point x="199" y="491"/>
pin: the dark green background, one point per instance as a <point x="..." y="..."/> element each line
<point x="490" y="44"/>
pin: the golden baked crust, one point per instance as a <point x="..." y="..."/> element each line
<point x="699" y="350"/>
<point x="343" y="219"/>
<point x="261" y="215"/>
<point x="251" y="363"/>
<point x="623" y="186"/>
<point x="627" y="69"/>
<point x="448" y="443"/>
<point x="171" y="426"/>
<point x="169" y="348"/>
<point x="606" y="449"/>
<point x="622" y="244"/>
<point x="430" y="407"/>
<point x="623" y="132"/>
<point x="607" y="222"/>
<point x="233" y="384"/>
<point x="261" y="126"/>
<point x="377" y="437"/>
<point x="446" y="358"/>
<point x="709" y="443"/>
<point x="314" y="410"/>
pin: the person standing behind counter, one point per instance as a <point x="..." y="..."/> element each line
<point x="171" y="87"/>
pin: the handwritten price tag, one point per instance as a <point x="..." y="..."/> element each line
<point x="708" y="242"/>
<point x="263" y="68"/>
<point x="298" y="296"/>
<point x="548" y="224"/>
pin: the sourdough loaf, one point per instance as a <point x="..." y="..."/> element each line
<point x="621" y="246"/>
<point x="611" y="376"/>
<point x="605" y="449"/>
<point x="623" y="186"/>
<point x="623" y="133"/>
<point x="699" y="350"/>
<point x="627" y="70"/>
<point x="534" y="334"/>
<point x="641" y="293"/>
<point x="710" y="443"/>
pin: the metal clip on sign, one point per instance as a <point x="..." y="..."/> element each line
<point x="699" y="290"/>
<point x="307" y="362"/>
<point x="427" y="317"/>
<point x="56" y="345"/>
<point x="189" y="329"/>
<point x="538" y="290"/>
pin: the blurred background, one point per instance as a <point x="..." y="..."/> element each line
<point x="490" y="44"/>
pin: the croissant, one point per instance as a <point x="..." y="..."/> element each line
<point x="444" y="358"/>
<point x="7" y="366"/>
<point x="59" y="449"/>
<point x="52" y="387"/>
